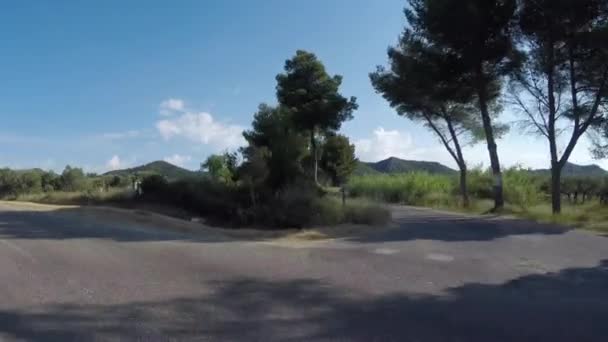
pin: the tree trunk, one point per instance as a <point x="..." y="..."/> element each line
<point x="492" y="148"/>
<point x="462" y="165"/>
<point x="252" y="195"/>
<point x="463" y="186"/>
<point x="313" y="145"/>
<point x="556" y="191"/>
<point x="556" y="166"/>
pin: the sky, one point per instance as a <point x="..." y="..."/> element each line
<point x="112" y="84"/>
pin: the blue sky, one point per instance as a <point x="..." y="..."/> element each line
<point x="111" y="84"/>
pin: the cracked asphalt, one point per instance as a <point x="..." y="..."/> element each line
<point x="437" y="277"/>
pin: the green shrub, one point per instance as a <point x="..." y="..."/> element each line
<point x="79" y="198"/>
<point x="301" y="208"/>
<point x="522" y="188"/>
<point x="480" y="183"/>
<point x="411" y="188"/>
<point x="155" y="185"/>
<point x="204" y="197"/>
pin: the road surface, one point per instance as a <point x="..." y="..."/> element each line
<point x="438" y="277"/>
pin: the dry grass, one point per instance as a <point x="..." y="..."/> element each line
<point x="590" y="216"/>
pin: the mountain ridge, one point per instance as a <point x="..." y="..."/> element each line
<point x="160" y="167"/>
<point x="576" y="170"/>
<point x="393" y="165"/>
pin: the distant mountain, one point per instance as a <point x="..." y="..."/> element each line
<point x="574" y="170"/>
<point x="160" y="167"/>
<point x="394" y="165"/>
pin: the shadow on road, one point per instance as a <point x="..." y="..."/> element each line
<point x="69" y="223"/>
<point x="571" y="305"/>
<point x="448" y="227"/>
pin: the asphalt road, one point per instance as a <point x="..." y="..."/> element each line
<point x="438" y="277"/>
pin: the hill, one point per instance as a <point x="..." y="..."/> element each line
<point x="160" y="167"/>
<point x="575" y="170"/>
<point x="394" y="165"/>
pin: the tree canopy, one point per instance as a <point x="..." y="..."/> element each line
<point x="313" y="98"/>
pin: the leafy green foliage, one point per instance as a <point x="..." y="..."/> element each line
<point x="473" y="39"/>
<point x="72" y="179"/>
<point x="254" y="172"/>
<point x="563" y="81"/>
<point x="273" y="130"/>
<point x="221" y="167"/>
<point x="154" y="184"/>
<point x="312" y="97"/>
<point x="411" y="188"/>
<point x="523" y="188"/>
<point x="338" y="158"/>
<point x="17" y="183"/>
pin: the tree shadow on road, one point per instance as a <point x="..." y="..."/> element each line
<point x="451" y="228"/>
<point x="78" y="223"/>
<point x="571" y="305"/>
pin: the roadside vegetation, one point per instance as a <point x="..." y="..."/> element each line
<point x="527" y="194"/>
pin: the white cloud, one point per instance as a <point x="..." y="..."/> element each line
<point x="114" y="163"/>
<point x="201" y="128"/>
<point x="385" y="144"/>
<point x="392" y="143"/>
<point x="178" y="160"/>
<point x="171" y="106"/>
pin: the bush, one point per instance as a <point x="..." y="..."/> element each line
<point x="522" y="188"/>
<point x="203" y="197"/>
<point x="72" y="179"/>
<point x="79" y="198"/>
<point x="480" y="184"/>
<point x="155" y="185"/>
<point x="297" y="207"/>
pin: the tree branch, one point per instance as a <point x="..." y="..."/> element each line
<point x="440" y="135"/>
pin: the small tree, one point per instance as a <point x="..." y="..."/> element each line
<point x="49" y="181"/>
<point x="285" y="147"/>
<point x="254" y="172"/>
<point x="221" y="167"/>
<point x="338" y="158"/>
<point x="73" y="179"/>
<point x="563" y="85"/>
<point x="9" y="182"/>
<point x="31" y="181"/>
<point x="313" y="97"/>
